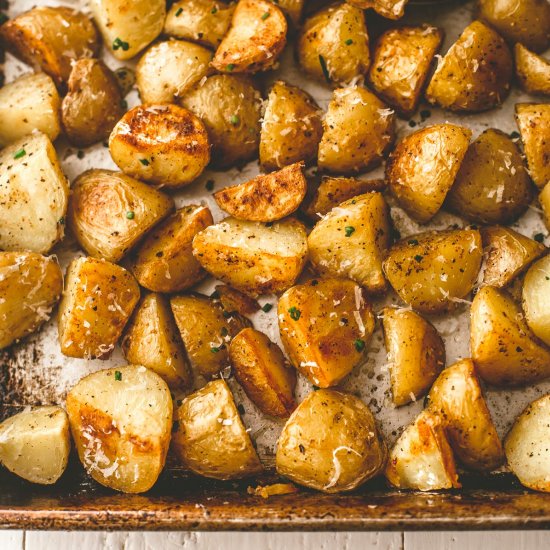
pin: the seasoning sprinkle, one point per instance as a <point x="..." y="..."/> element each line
<point x="145" y="162"/>
<point x="179" y="12"/>
<point x="324" y="68"/>
<point x="234" y="120"/>
<point x="230" y="67"/>
<point x="19" y="154"/>
<point x="348" y="42"/>
<point x="295" y="313"/>
<point x="350" y="230"/>
<point x="359" y="345"/>
<point x="119" y="44"/>
<point x="267" y="308"/>
<point x="118" y="376"/>
<point x="265" y="15"/>
<point x="419" y="258"/>
<point x="130" y="215"/>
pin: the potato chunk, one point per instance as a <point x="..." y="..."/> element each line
<point x="544" y="199"/>
<point x="392" y="9"/>
<point x="536" y="299"/>
<point x="35" y="444"/>
<point x="121" y="420"/>
<point x="532" y="71"/>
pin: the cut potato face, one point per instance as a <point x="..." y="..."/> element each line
<point x="35" y="444"/>
<point x="326" y="326"/>
<point x="33" y="195"/>
<point x="423" y="166"/>
<point x="532" y="71"/>
<point x="330" y="443"/>
<point x="436" y="270"/>
<point x="392" y="9"/>
<point x="211" y="439"/>
<point x="536" y="299"/>
<point x="121" y="420"/>
<point x="251" y="256"/>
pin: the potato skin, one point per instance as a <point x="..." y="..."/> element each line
<point x="532" y="71"/>
<point x="536" y="293"/>
<point x="330" y="443"/>
<point x="392" y="9"/>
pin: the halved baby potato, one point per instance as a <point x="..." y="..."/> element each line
<point x="536" y="299"/>
<point x="392" y="9"/>
<point x="532" y="71"/>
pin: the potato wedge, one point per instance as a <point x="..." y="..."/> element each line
<point x="326" y="326"/>
<point x="30" y="286"/>
<point x="416" y="354"/>
<point x="211" y="439"/>
<point x="392" y="9"/>
<point x="35" y="444"/>
<point x="423" y="166"/>
<point x="31" y="102"/>
<point x="233" y="301"/>
<point x="532" y="71"/>
<point x="422" y="459"/>
<point x="330" y="443"/>
<point x="255" y="39"/>
<point x="536" y="299"/>
<point x="358" y="130"/>
<point x="164" y="261"/>
<point x="34" y="194"/>
<point x="98" y="300"/>
<point x="457" y="399"/>
<point x="505" y="351"/>
<point x="434" y="271"/>
<point x="165" y="145"/>
<point x="110" y="212"/>
<point x="351" y="241"/>
<point x="121" y="419"/>
<point x="251" y="256"/>
<point x="260" y="368"/>
<point x="475" y="73"/>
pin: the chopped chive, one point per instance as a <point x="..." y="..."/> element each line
<point x="359" y="345"/>
<point x="209" y="185"/>
<point x="514" y="135"/>
<point x="241" y="409"/>
<point x="294" y="313"/>
<point x="145" y="162"/>
<point x="119" y="44"/>
<point x="80" y="154"/>
<point x="19" y="154"/>
<point x="130" y="215"/>
<point x="348" y="42"/>
<point x="234" y="120"/>
<point x="230" y="67"/>
<point x="413" y="242"/>
<point x="214" y="349"/>
<point x="419" y="258"/>
<point x="350" y="230"/>
<point x="179" y="12"/>
<point x="61" y="220"/>
<point x="539" y="237"/>
<point x="265" y="15"/>
<point x="324" y="68"/>
<point x="267" y="308"/>
<point x="214" y="10"/>
<point x="118" y="376"/>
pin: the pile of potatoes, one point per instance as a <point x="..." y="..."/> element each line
<point x="326" y="245"/>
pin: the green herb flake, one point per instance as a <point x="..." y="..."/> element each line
<point x="224" y="331"/>
<point x="118" y="376"/>
<point x="230" y="67"/>
<point x="295" y="313"/>
<point x="348" y="42"/>
<point x="241" y="409"/>
<point x="19" y="154"/>
<point x="119" y="44"/>
<point x="234" y="120"/>
<point x="539" y="237"/>
<point x="130" y="215"/>
<point x="324" y="68"/>
<point x="179" y="12"/>
<point x="514" y="135"/>
<point x="267" y="308"/>
<point x="215" y="349"/>
<point x="419" y="258"/>
<point x="412" y="242"/>
<point x="350" y="230"/>
<point x="145" y="162"/>
<point x="61" y="221"/>
<point x="265" y="15"/>
<point x="359" y="345"/>
<point x="209" y="185"/>
<point x="214" y="10"/>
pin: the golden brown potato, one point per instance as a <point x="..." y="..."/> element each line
<point x="211" y="439"/>
<point x="401" y="63"/>
<point x="229" y="106"/>
<point x="416" y="353"/>
<point x="110" y="212"/>
<point x="50" y="39"/>
<point x="260" y="368"/>
<point x="457" y="399"/>
<point x="475" y="73"/>
<point x="435" y="270"/>
<point x="326" y="326"/>
<point x="164" y="261"/>
<point x="291" y="127"/>
<point x="330" y="443"/>
<point x="152" y="340"/>
<point x="252" y="257"/>
<point x="422" y="458"/>
<point x="255" y="39"/>
<point x="30" y="285"/>
<point x="267" y="197"/>
<point x="121" y="420"/>
<point x="333" y="44"/>
<point x="351" y="241"/>
<point x="358" y="130"/>
<point x="392" y="9"/>
<point x="93" y="104"/>
<point x="532" y="71"/>
<point x="98" y="300"/>
<point x="232" y="300"/>
<point x="165" y="145"/>
<point x="505" y="351"/>
<point x="544" y="199"/>
<point x="536" y="299"/>
<point x="422" y="167"/>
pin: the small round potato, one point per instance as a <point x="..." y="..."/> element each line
<point x="532" y="71"/>
<point x="536" y="299"/>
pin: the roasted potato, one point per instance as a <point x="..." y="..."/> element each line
<point x="392" y="9"/>
<point x="260" y="368"/>
<point x="330" y="443"/>
<point x="291" y="127"/>
<point x="422" y="458"/>
<point x="267" y="197"/>
<point x="475" y="73"/>
<point x="232" y="300"/>
<point x="229" y="106"/>
<point x="33" y="195"/>
<point x="326" y="326"/>
<point x="121" y="419"/>
<point x="30" y="285"/>
<point x="152" y="340"/>
<point x="292" y="9"/>
<point x="50" y="39"/>
<point x="333" y="44"/>
<point x="544" y="199"/>
<point x="110" y="212"/>
<point x="252" y="257"/>
<point x="29" y="103"/>
<point x="352" y="240"/>
<point x="165" y="145"/>
<point x="358" y="130"/>
<point x="98" y="300"/>
<point x="401" y="63"/>
<point x="35" y="444"/>
<point x="536" y="299"/>
<point x="416" y="353"/>
<point x="526" y="446"/>
<point x="93" y="104"/>
<point x="255" y="39"/>
<point x="532" y="71"/>
<point x="422" y="167"/>
<point x="206" y="330"/>
<point x="164" y="261"/>
<point x="435" y="270"/>
<point x="457" y="399"/>
<point x="505" y="351"/>
<point x="211" y="439"/>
